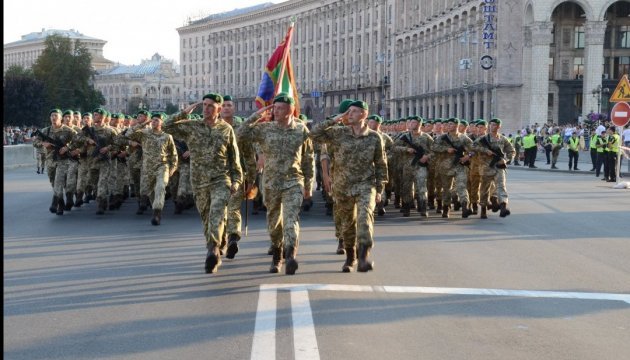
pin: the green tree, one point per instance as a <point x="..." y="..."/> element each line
<point x="67" y="72"/>
<point x="23" y="98"/>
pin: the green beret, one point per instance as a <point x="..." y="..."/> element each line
<point x="302" y="117"/>
<point x="77" y="113"/>
<point x="376" y="118"/>
<point x="437" y="121"/>
<point x="482" y="122"/>
<point x="87" y="114"/>
<point x="227" y="98"/>
<point x="118" y="116"/>
<point x="463" y="122"/>
<point x="360" y="104"/>
<point x="128" y="117"/>
<point x="284" y="98"/>
<point x="452" y="120"/>
<point x="144" y="112"/>
<point x="416" y="118"/>
<point x="428" y="122"/>
<point x="100" y="111"/>
<point x="496" y="121"/>
<point x="158" y="115"/>
<point x="68" y="112"/>
<point x="344" y="105"/>
<point x="214" y="97"/>
<point x="58" y="111"/>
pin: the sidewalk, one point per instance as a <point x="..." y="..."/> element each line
<point x="584" y="164"/>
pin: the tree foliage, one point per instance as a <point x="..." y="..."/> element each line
<point x="23" y="98"/>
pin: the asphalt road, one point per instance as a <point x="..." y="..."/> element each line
<point x="551" y="281"/>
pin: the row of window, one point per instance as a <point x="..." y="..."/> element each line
<point x="616" y="37"/>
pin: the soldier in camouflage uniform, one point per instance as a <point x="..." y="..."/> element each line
<point x="40" y="158"/>
<point x="73" y="166"/>
<point x="119" y="162"/>
<point x="474" y="175"/>
<point x="415" y="166"/>
<point x="158" y="163"/>
<point x="215" y="168"/>
<point x="456" y="150"/>
<point x="374" y="123"/>
<point x="288" y="176"/>
<point x="57" y="157"/>
<point x="494" y="148"/>
<point x="359" y="182"/>
<point x="436" y="187"/>
<point x="134" y="157"/>
<point x="85" y="162"/>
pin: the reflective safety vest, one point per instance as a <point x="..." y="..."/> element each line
<point x="529" y="141"/>
<point x="614" y="144"/>
<point x="574" y="143"/>
<point x="556" y="139"/>
<point x="601" y="144"/>
<point x="592" y="144"/>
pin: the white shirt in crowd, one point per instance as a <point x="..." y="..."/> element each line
<point x="599" y="129"/>
<point x="626" y="136"/>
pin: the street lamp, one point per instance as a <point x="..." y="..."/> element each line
<point x="380" y="59"/>
<point x="598" y="93"/>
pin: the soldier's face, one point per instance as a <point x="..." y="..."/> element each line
<point x="437" y="127"/>
<point x="66" y="119"/>
<point x="494" y="127"/>
<point x="413" y="125"/>
<point x="55" y="119"/>
<point x="87" y="121"/>
<point x="373" y="125"/>
<point x="481" y="129"/>
<point x="141" y="118"/>
<point x="282" y="110"/>
<point x="356" y="115"/>
<point x="227" y="110"/>
<point x="156" y="123"/>
<point x="210" y="109"/>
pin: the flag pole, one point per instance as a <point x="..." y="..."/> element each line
<point x="285" y="55"/>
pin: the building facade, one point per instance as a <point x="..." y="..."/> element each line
<point x="153" y="85"/>
<point x="524" y="61"/>
<point x="27" y="50"/>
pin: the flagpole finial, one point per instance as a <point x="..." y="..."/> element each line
<point x="293" y="19"/>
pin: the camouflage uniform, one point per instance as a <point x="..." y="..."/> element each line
<point x="214" y="168"/>
<point x="388" y="144"/>
<point x="356" y="183"/>
<point x="474" y="179"/>
<point x="101" y="166"/>
<point x="495" y="174"/>
<point x="450" y="171"/>
<point x="159" y="161"/>
<point x="289" y="168"/>
<point x="414" y="175"/>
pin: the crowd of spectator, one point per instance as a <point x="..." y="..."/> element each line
<point x="14" y="135"/>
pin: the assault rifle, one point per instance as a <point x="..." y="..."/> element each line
<point x="459" y="151"/>
<point x="181" y="148"/>
<point x="498" y="153"/>
<point x="419" y="151"/>
<point x="89" y="132"/>
<point x="56" y="143"/>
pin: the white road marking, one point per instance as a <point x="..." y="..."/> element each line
<point x="304" y="338"/>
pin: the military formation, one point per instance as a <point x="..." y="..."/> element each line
<point x="216" y="160"/>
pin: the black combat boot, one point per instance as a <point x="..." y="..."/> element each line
<point x="213" y="260"/>
<point x="157" y="217"/>
<point x="484" y="210"/>
<point x="291" y="264"/>
<point x="143" y="204"/>
<point x="79" y="199"/>
<point x="406" y="209"/>
<point x="232" y="246"/>
<point x="495" y="203"/>
<point x="125" y="193"/>
<point x="69" y="202"/>
<point x="431" y="202"/>
<point x="276" y="262"/>
<point x="438" y="208"/>
<point x="381" y="209"/>
<point x="351" y="260"/>
<point x="179" y="206"/>
<point x="445" y="211"/>
<point x="466" y="212"/>
<point x="423" y="208"/>
<point x="456" y="204"/>
<point x="397" y="201"/>
<point x="340" y="249"/>
<point x="53" y="205"/>
<point x="504" y="210"/>
<point x="365" y="265"/>
<point x="270" y="250"/>
<point x="132" y="190"/>
<point x="61" y="205"/>
<point x="102" y="205"/>
<point x="475" y="208"/>
<point x="38" y="171"/>
<point x="88" y="194"/>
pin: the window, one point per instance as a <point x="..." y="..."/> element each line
<point x="622" y="66"/>
<point x="578" y="68"/>
<point x="623" y="37"/>
<point x="551" y="68"/>
<point x="579" y="37"/>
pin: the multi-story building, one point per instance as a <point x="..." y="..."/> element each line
<point x="339" y="50"/>
<point x="523" y="61"/>
<point x="152" y="85"/>
<point x="24" y="52"/>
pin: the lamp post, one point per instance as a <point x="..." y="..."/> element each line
<point x="598" y="93"/>
<point x="380" y="59"/>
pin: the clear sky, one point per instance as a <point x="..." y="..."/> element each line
<point x="134" y="29"/>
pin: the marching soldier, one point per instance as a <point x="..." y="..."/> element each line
<point x="100" y="143"/>
<point x="374" y="123"/>
<point x="73" y="166"/>
<point x="215" y="168"/>
<point x="288" y="177"/>
<point x="359" y="183"/>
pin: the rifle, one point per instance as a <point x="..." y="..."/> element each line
<point x="419" y="151"/>
<point x="56" y="143"/>
<point x="181" y="148"/>
<point x="498" y="153"/>
<point x="89" y="131"/>
<point x="459" y="151"/>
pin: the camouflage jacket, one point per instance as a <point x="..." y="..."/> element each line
<point x="481" y="150"/>
<point x="64" y="134"/>
<point x="213" y="151"/>
<point x="423" y="140"/>
<point x="289" y="154"/>
<point x="441" y="146"/>
<point x="158" y="147"/>
<point x="360" y="160"/>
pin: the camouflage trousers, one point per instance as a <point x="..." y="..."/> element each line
<point x="555" y="153"/>
<point x="99" y="175"/>
<point x="356" y="213"/>
<point x="474" y="182"/>
<point x="57" y="172"/>
<point x="455" y="180"/>
<point x="41" y="160"/>
<point x="184" y="186"/>
<point x="211" y="202"/>
<point x="234" y="220"/>
<point x="111" y="176"/>
<point x="283" y="215"/>
<point x="121" y="178"/>
<point x="83" y="174"/>
<point x="415" y="183"/>
<point x="153" y="184"/>
<point x="135" y="174"/>
<point x="71" y="177"/>
<point x="337" y="219"/>
<point x="494" y="185"/>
